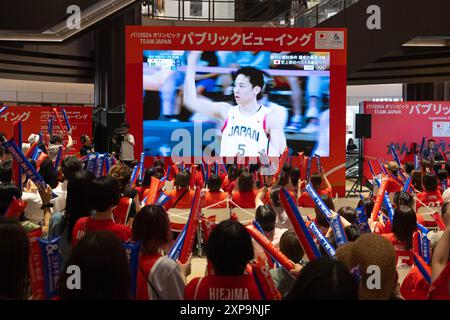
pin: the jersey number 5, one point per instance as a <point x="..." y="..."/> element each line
<point x="241" y="149"/>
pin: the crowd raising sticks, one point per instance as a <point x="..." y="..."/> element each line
<point x="268" y="232"/>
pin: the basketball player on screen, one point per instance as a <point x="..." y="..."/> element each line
<point x="249" y="128"/>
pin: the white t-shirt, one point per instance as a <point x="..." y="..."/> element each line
<point x="127" y="148"/>
<point x="59" y="203"/>
<point x="33" y="210"/>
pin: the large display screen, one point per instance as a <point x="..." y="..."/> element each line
<point x="235" y="103"/>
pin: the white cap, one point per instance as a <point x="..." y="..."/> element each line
<point x="33" y="138"/>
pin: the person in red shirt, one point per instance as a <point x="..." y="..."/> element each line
<point x="129" y="202"/>
<point x="406" y="199"/>
<point x="414" y="286"/>
<point x="404" y="225"/>
<point x="246" y="194"/>
<point x="105" y="195"/>
<point x="393" y="183"/>
<point x="316" y="181"/>
<point x="149" y="173"/>
<point x="159" y="277"/>
<point x="228" y="250"/>
<point x="440" y="266"/>
<point x="230" y="179"/>
<point x="105" y="271"/>
<point x="430" y="196"/>
<point x="181" y="196"/>
<point x="214" y="195"/>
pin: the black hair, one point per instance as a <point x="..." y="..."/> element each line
<point x="287" y="168"/>
<point x="352" y="232"/>
<point x="283" y="179"/>
<point x="275" y="196"/>
<point x="105" y="272"/>
<point x="182" y="179"/>
<point x="79" y="188"/>
<point x="125" y="125"/>
<point x="232" y="172"/>
<point x="229" y="248"/>
<point x="14" y="250"/>
<point x="320" y="217"/>
<point x="348" y="213"/>
<point x="431" y="140"/>
<point x="265" y="216"/>
<point x="403" y="198"/>
<point x="6" y="171"/>
<point x="442" y="174"/>
<point x="316" y="181"/>
<point x="255" y="77"/>
<point x="105" y="193"/>
<point x="48" y="173"/>
<point x="295" y="176"/>
<point x="429" y="182"/>
<point x="416" y="179"/>
<point x="214" y="182"/>
<point x="56" y="139"/>
<point x="71" y="165"/>
<point x="290" y="246"/>
<point x="404" y="224"/>
<point x="152" y="226"/>
<point x="409" y="167"/>
<point x="148" y="174"/>
<point x="325" y="279"/>
<point x="245" y="182"/>
<point x="368" y="204"/>
<point x="7" y="193"/>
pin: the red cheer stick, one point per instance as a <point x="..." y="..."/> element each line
<point x="153" y="190"/>
<point x="194" y="218"/>
<point x="437" y="218"/>
<point x="270" y="248"/>
<point x="378" y="200"/>
<point x="264" y="282"/>
<point x="63" y="128"/>
<point x="15" y="208"/>
<point x="299" y="225"/>
<point x="283" y="159"/>
<point x="36" y="266"/>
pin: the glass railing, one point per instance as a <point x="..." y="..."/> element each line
<point x="201" y="10"/>
<point x="313" y="16"/>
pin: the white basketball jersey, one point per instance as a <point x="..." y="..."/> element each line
<point x="244" y="136"/>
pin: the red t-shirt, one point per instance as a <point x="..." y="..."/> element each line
<point x="244" y="199"/>
<point x="87" y="224"/>
<point x="215" y="287"/>
<point x="440" y="288"/>
<point x="146" y="263"/>
<point x="404" y="256"/>
<point x="212" y="197"/>
<point x="228" y="185"/>
<point x="414" y="286"/>
<point x="306" y="201"/>
<point x="431" y="199"/>
<point x="383" y="227"/>
<point x="393" y="186"/>
<point x="184" y="202"/>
